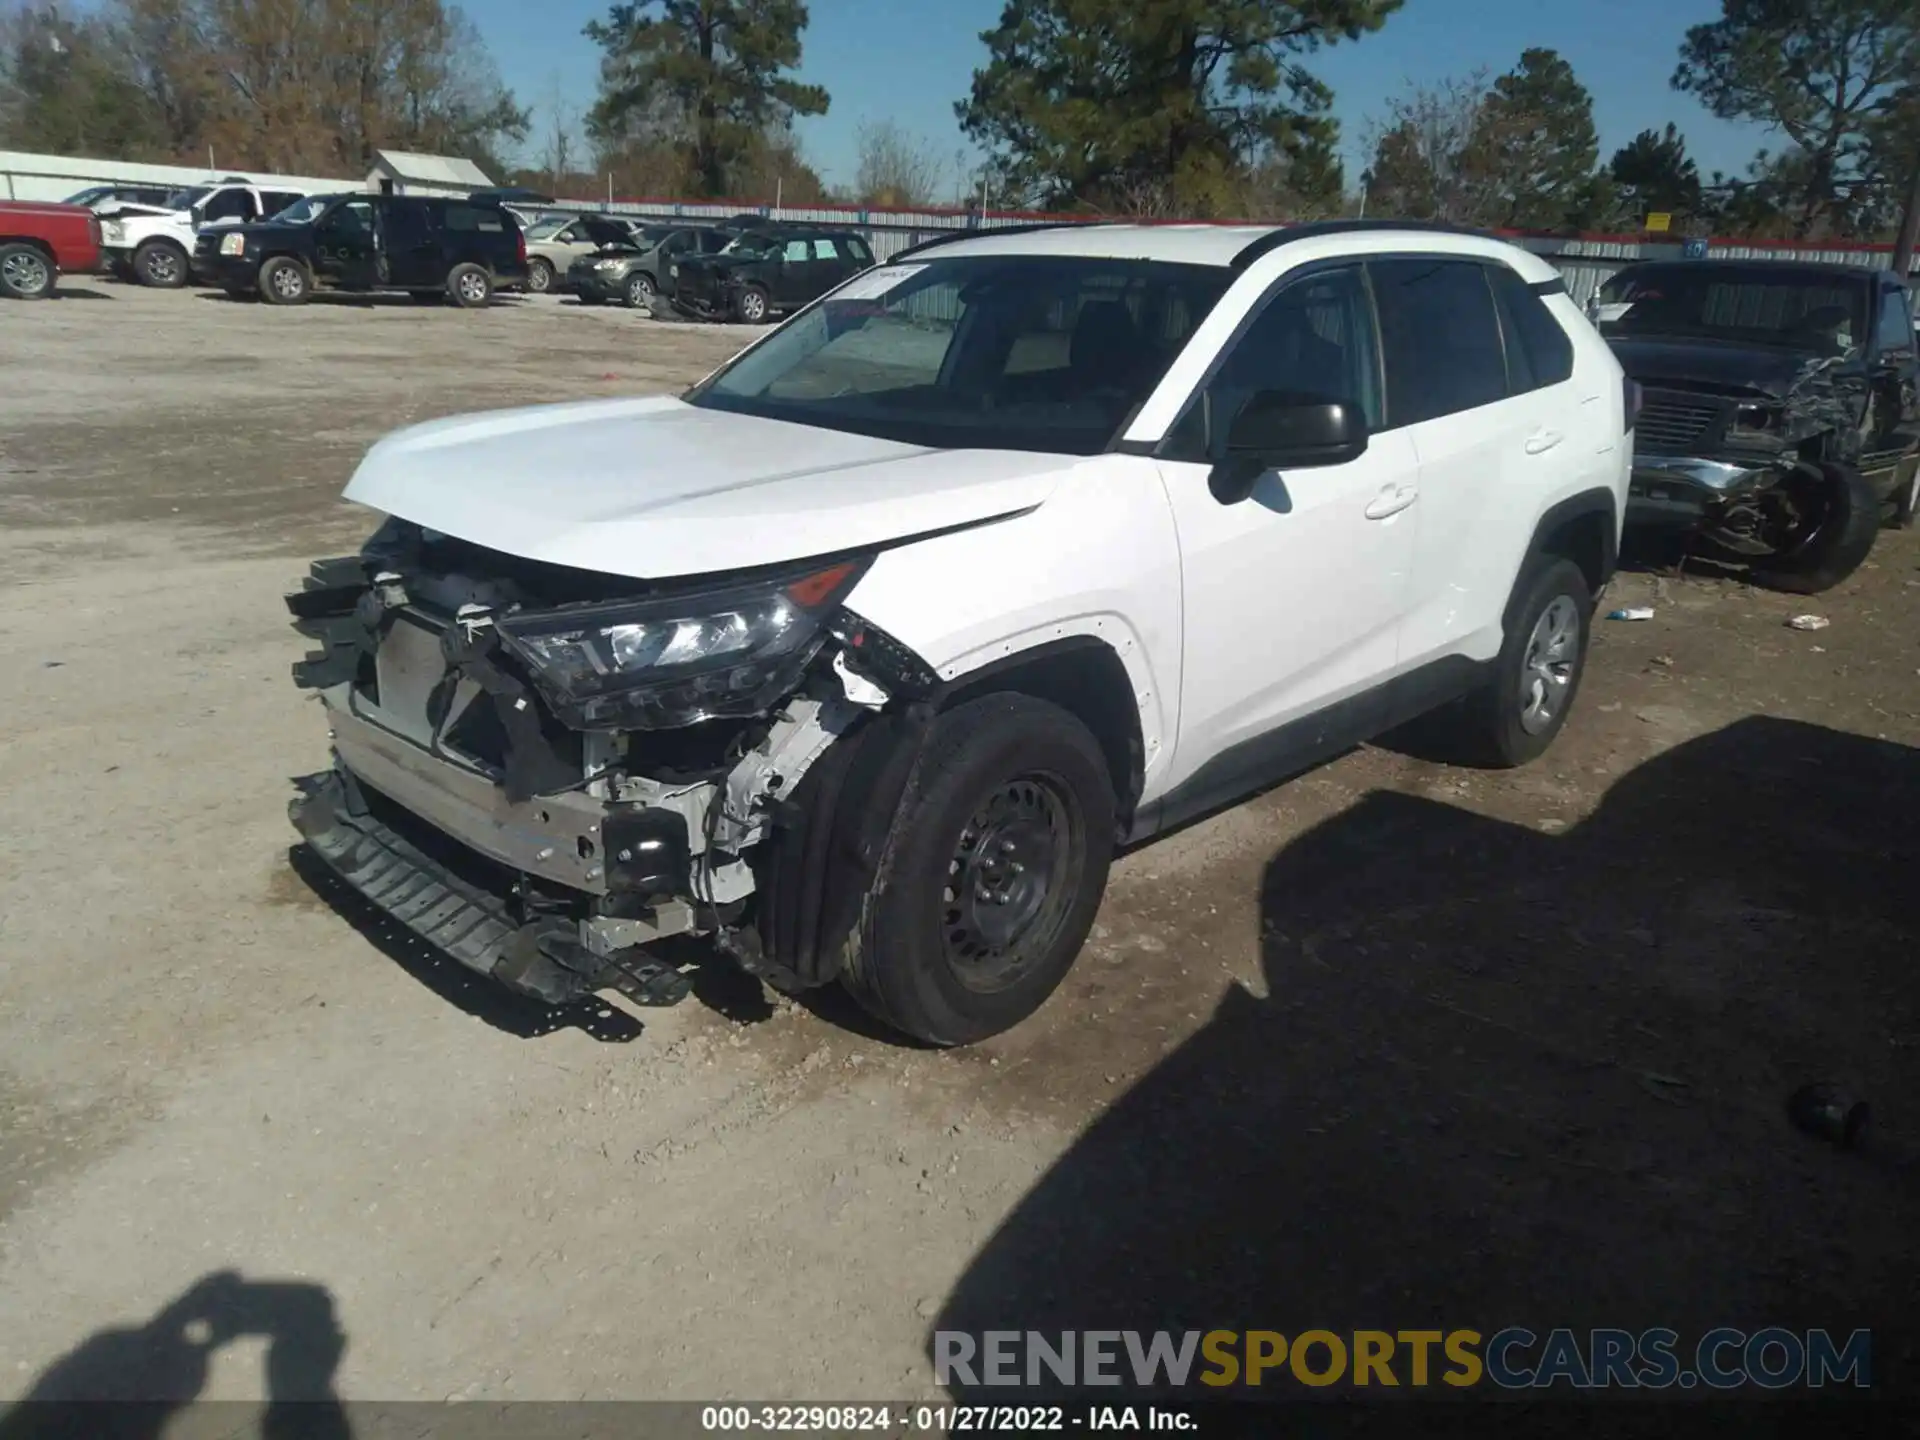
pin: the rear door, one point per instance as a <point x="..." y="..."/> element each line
<point x="1482" y="440"/>
<point x="410" y="245"/>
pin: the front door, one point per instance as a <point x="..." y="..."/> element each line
<point x="1893" y="407"/>
<point x="1293" y="597"/>
<point x="793" y="281"/>
<point x="345" y="251"/>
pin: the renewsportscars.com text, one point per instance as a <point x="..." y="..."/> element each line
<point x="1772" y="1358"/>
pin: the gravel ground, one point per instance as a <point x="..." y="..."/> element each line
<point x="1395" y="1043"/>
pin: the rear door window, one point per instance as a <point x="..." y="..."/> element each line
<point x="230" y="205"/>
<point x="797" y="252"/>
<point x="468" y="218"/>
<point x="1440" y="337"/>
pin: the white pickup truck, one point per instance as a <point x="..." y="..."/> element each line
<point x="154" y="244"/>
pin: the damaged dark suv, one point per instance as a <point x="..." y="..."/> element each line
<point x="1778" y="418"/>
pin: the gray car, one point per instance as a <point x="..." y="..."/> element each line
<point x="633" y="273"/>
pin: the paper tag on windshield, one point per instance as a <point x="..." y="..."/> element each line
<point x="872" y="284"/>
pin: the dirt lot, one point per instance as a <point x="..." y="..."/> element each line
<point x="1396" y="1044"/>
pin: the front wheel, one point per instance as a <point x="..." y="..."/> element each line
<point x="1516" y="714"/>
<point x="539" y="277"/>
<point x="1823" y="522"/>
<point x="640" y="291"/>
<point x="161" y="264"/>
<point x="993" y="872"/>
<point x="470" y="287"/>
<point x="750" y="305"/>
<point x="285" y="282"/>
<point x="25" y="272"/>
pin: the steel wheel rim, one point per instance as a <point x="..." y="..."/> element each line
<point x="640" y="288"/>
<point x="1547" y="671"/>
<point x="162" y="265"/>
<point x="288" y="282"/>
<point x="1008" y="882"/>
<point x="26" y="272"/>
<point x="539" y="278"/>
<point x="472" y="287"/>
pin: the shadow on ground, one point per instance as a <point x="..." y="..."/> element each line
<point x="1501" y="1077"/>
<point x="126" y="1383"/>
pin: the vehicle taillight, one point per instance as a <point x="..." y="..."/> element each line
<point x="1630" y="408"/>
<point x="520" y="240"/>
<point x="93" y="229"/>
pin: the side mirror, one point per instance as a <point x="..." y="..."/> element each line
<point x="1279" y="429"/>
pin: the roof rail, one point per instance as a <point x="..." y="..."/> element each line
<point x="1286" y="235"/>
<point x="989" y="231"/>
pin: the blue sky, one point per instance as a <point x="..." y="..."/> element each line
<point x="909" y="60"/>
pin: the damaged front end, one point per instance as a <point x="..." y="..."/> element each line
<point x="544" y="772"/>
<point x="1738" y="466"/>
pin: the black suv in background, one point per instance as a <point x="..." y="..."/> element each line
<point x="430" y="246"/>
<point x="766" y="272"/>
<point x="1779" y="418"/>
<point x="634" y="271"/>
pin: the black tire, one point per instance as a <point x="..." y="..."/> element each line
<point x="540" y="276"/>
<point x="25" y="272"/>
<point x="161" y="264"/>
<point x="640" y="291"/>
<point x="1837" y="544"/>
<point x="469" y="286"/>
<point x="285" y="281"/>
<point x="1514" y="717"/>
<point x="1007" y="784"/>
<point x="751" y="307"/>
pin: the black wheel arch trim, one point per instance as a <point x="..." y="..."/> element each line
<point x="1598" y="501"/>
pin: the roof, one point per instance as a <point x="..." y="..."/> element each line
<point x="431" y="169"/>
<point x="1229" y="246"/>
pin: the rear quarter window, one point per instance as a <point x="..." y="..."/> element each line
<point x="466" y="219"/>
<point x="1539" y="352"/>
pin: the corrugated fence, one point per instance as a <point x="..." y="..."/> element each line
<point x="1586" y="261"/>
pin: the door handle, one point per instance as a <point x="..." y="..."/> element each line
<point x="1542" y="441"/>
<point x="1391" y="501"/>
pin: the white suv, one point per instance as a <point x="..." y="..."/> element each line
<point x="155" y="247"/>
<point x="864" y="655"/>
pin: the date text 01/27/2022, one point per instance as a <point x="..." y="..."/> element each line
<point x="941" y="1419"/>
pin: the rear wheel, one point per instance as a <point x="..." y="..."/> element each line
<point x="25" y="272"/>
<point x="1514" y="717"/>
<point x="750" y="305"/>
<point x="539" y="276"/>
<point x="640" y="291"/>
<point x="1821" y="522"/>
<point x="994" y="870"/>
<point x="284" y="281"/>
<point x="161" y="264"/>
<point x="469" y="286"/>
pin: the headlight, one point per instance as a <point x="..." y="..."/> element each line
<point x="113" y="232"/>
<point x="233" y="244"/>
<point x="661" y="663"/>
<point x="673" y="271"/>
<point x="606" y="264"/>
<point x="1755" y="422"/>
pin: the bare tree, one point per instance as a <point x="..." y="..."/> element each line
<point x="1426" y="162"/>
<point x="896" y="168"/>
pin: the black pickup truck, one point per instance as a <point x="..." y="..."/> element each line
<point x="1778" y="420"/>
<point x="433" y="246"/>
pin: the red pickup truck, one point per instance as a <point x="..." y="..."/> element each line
<point x="38" y="241"/>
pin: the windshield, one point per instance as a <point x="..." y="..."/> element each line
<point x="548" y="228"/>
<point x="88" y="195"/>
<point x="1735" y="303"/>
<point x="187" y="199"/>
<point x="1019" y="352"/>
<point x="302" y="212"/>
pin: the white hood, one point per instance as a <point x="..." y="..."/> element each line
<point x="656" y="488"/>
